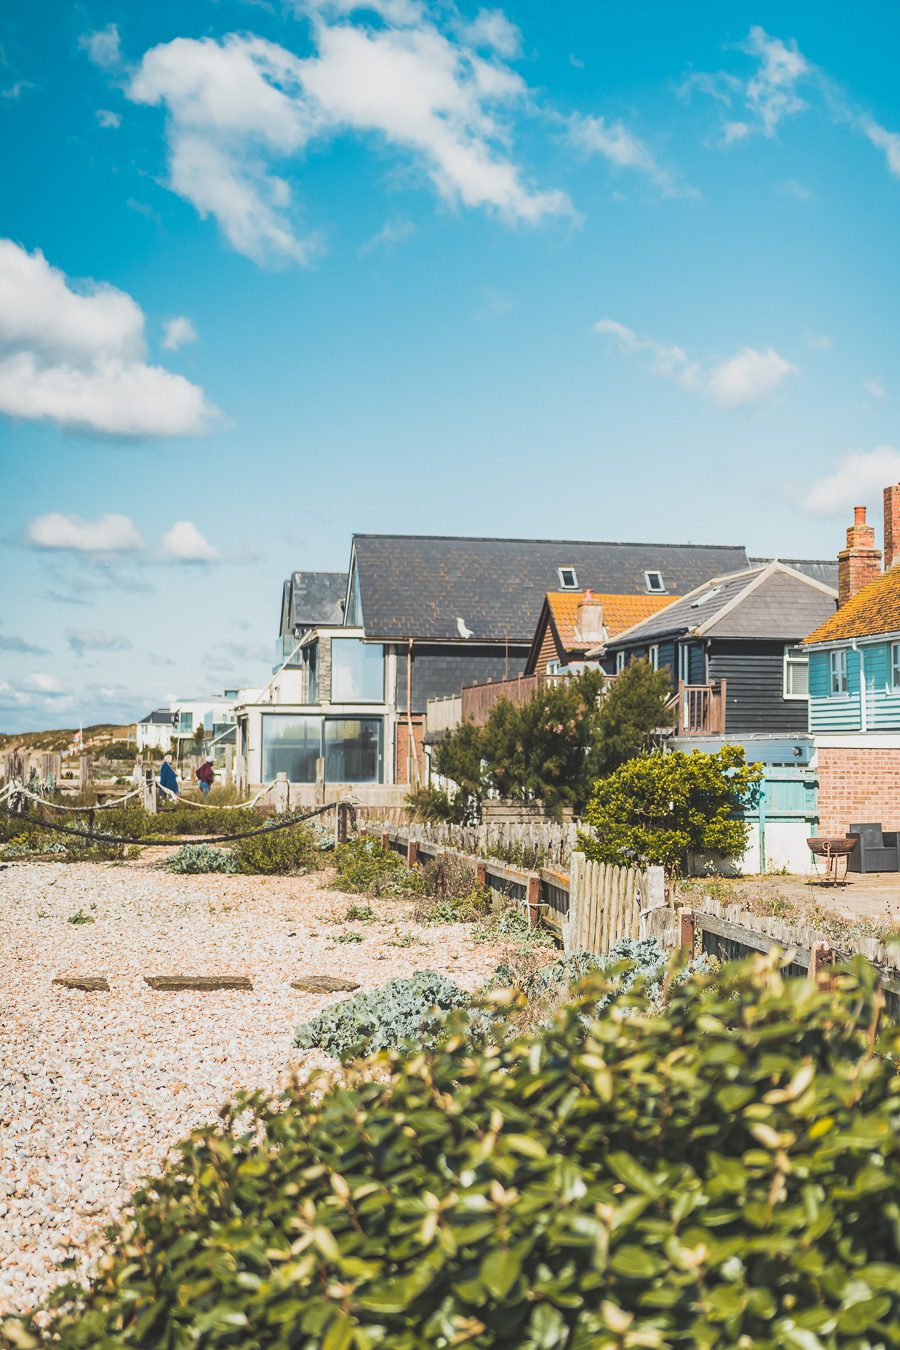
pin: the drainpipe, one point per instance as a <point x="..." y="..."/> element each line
<point x="409" y="725"/>
<point x="863" y="709"/>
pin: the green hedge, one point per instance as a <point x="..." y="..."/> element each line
<point x="722" y="1173"/>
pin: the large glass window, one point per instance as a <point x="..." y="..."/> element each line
<point x="185" y="722"/>
<point x="796" y="673"/>
<point x="357" y="672"/>
<point x="290" y="745"/>
<point x="353" y="750"/>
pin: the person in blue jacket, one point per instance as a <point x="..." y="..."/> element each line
<point x="167" y="776"/>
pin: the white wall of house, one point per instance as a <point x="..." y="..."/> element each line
<point x="151" y="736"/>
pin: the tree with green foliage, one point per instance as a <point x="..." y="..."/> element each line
<point x="723" y="1173"/>
<point x="662" y="808"/>
<point x="552" y="749"/>
<point x="634" y="706"/>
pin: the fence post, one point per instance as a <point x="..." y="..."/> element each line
<point x="481" y="874"/>
<point x="654" y="895"/>
<point x="686" y="929"/>
<point x="385" y="841"/>
<point x="85" y="771"/>
<point x="229" y="765"/>
<point x="572" y="928"/>
<point x="820" y="957"/>
<point x="533" y="896"/>
<point x="341" y="823"/>
<point x="148" y="785"/>
<point x="281" y="794"/>
<point x="412" y="853"/>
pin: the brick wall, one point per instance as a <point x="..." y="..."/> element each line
<point x="858" y="785"/>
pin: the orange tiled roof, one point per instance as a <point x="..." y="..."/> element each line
<point x="873" y="610"/>
<point x="619" y="612"/>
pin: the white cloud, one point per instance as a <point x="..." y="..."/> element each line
<point x="888" y="141"/>
<point x="185" y="543"/>
<point x="82" y="640"/>
<point x="819" y="340"/>
<point x="749" y="377"/>
<point x="236" y="105"/>
<point x="43" y="684"/>
<point x="859" y="477"/>
<point x="875" y="387"/>
<point x="772" y="90"/>
<point x="393" y="232"/>
<point x="621" y="147"/>
<point x="106" y="118"/>
<point x="103" y="47"/>
<point x="177" y="333"/>
<point x="797" y="191"/>
<point x="76" y="356"/>
<point x="108" y="534"/>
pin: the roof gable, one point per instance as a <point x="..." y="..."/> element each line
<point x="771" y="602"/>
<point x="420" y="586"/>
<point x="873" y="611"/>
<point x="312" y="599"/>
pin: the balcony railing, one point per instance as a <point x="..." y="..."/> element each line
<point x="700" y="709"/>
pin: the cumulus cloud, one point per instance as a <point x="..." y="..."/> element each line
<point x="76" y="357"/>
<point x="83" y="640"/>
<point x="69" y="533"/>
<point x="623" y="148"/>
<point x="859" y="477"/>
<point x="237" y="106"/>
<point x="749" y="377"/>
<point x="103" y="46"/>
<point x="177" y="333"/>
<point x="185" y="543"/>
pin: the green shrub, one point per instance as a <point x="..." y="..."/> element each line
<point x="722" y="1174"/>
<point x="359" y="914"/>
<point x="284" y="852"/>
<point x="664" y="808"/>
<point x="349" y="935"/>
<point x="194" y="858"/>
<point x="382" y="1019"/>
<point x="362" y="867"/>
<point x="432" y="805"/>
<point x="511" y="925"/>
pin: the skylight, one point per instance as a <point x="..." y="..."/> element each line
<point x="707" y="595"/>
<point x="654" y="582"/>
<point x="568" y="579"/>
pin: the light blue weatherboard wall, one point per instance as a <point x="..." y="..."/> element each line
<point x="841" y="712"/>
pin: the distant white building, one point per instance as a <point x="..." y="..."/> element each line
<point x="215" y="714"/>
<point x="154" y="732"/>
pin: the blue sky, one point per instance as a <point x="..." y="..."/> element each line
<point x="274" y="272"/>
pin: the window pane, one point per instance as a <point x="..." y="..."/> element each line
<point x="353" y="750"/>
<point x="895" y="665"/>
<point x="796" y="672"/>
<point x="290" y="745"/>
<point x="357" y="671"/>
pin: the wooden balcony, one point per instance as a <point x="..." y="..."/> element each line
<point x="700" y="709"/>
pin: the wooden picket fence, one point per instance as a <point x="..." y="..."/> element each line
<point x="607" y="903"/>
<point x="507" y="840"/>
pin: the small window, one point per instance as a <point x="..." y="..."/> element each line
<point x="837" y="664"/>
<point x="620" y="662"/>
<point x="653" y="656"/>
<point x="655" y="583"/>
<point x="895" y="665"/>
<point x="568" y="578"/>
<point x="796" y="673"/>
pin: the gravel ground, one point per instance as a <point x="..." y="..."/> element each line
<point x="95" y="1088"/>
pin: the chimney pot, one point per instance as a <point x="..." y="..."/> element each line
<point x="860" y="561"/>
<point x="590" y="618"/>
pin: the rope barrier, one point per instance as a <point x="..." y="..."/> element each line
<point x="211" y="806"/>
<point x="57" y="806"/>
<point x="177" y="843"/>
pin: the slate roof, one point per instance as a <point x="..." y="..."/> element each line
<point x="311" y="598"/>
<point x="159" y="716"/>
<point x="419" y="585"/>
<point x="872" y="611"/>
<point x="820" y="569"/>
<point x="771" y="602"/>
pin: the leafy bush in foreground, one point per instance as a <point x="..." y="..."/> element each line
<point x="193" y="858"/>
<point x="382" y="1019"/>
<point x="285" y="852"/>
<point x="363" y="868"/>
<point x="724" y="1173"/>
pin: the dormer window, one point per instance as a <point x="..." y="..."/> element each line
<point x="655" y="583"/>
<point x="568" y="578"/>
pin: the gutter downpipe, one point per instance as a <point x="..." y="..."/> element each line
<point x="863" y="709"/>
<point x="409" y="725"/>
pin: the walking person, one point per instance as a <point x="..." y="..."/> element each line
<point x="168" y="779"/>
<point x="206" y="776"/>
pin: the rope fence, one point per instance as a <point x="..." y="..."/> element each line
<point x="178" y="843"/>
<point x="22" y="791"/>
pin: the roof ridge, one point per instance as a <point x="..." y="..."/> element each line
<point x="524" y="539"/>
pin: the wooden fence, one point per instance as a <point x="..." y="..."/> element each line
<point x="591" y="906"/>
<point x="731" y="933"/>
<point x="507" y="840"/>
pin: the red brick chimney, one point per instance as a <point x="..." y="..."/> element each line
<point x="891" y="526"/>
<point x="589" y="625"/>
<point x="860" y="562"/>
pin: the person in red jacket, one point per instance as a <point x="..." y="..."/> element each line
<point x="206" y="776"/>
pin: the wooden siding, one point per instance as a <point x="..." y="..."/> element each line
<point x="754" y="672"/>
<point x="827" y="711"/>
<point x="550" y="651"/>
<point x="697" y="665"/>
